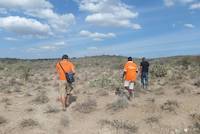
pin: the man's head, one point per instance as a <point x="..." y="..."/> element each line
<point x="143" y="58"/>
<point x="65" y="57"/>
<point x="130" y="59"/>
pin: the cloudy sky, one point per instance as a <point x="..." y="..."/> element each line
<point x="50" y="28"/>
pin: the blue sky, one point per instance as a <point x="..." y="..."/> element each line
<point x="50" y="28"/>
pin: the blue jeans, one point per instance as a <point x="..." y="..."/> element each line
<point x="144" y="79"/>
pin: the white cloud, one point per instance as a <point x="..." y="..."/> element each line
<point x="10" y="39"/>
<point x="42" y="10"/>
<point x="60" y="43"/>
<point x="109" y="13"/>
<point x="92" y="48"/>
<point x="24" y="26"/>
<point x="189" y="25"/>
<point x="47" y="47"/>
<point x="173" y="2"/>
<point x="195" y="6"/>
<point x="58" y="23"/>
<point x="25" y="4"/>
<point x="96" y="36"/>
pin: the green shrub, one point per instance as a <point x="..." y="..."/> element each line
<point x="159" y="70"/>
<point x="25" y="72"/>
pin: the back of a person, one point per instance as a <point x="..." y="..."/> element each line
<point x="64" y="66"/>
<point x="145" y="66"/>
<point x="131" y="69"/>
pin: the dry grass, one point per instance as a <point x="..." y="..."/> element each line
<point x="51" y="109"/>
<point x="152" y="120"/>
<point x="120" y="104"/>
<point x="195" y="127"/>
<point x="86" y="107"/>
<point x="41" y="99"/>
<point x="170" y="106"/>
<point x="197" y="83"/>
<point x="2" y="120"/>
<point x="29" y="123"/>
<point x="124" y="127"/>
<point x="102" y="93"/>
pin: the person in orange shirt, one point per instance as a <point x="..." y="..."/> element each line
<point x="63" y="67"/>
<point x="130" y="76"/>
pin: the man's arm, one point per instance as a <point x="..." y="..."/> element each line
<point x="124" y="74"/>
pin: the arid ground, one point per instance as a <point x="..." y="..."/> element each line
<point x="171" y="105"/>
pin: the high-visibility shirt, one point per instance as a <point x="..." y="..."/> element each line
<point x="67" y="68"/>
<point x="131" y="71"/>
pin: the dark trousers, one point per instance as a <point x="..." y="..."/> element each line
<point x="144" y="79"/>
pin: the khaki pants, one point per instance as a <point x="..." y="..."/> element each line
<point x="65" y="88"/>
<point x="129" y="84"/>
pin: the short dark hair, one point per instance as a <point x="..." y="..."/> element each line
<point x="65" y="56"/>
<point x="130" y="58"/>
<point x="143" y="58"/>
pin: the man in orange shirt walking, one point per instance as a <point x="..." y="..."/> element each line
<point x="130" y="76"/>
<point x="64" y="68"/>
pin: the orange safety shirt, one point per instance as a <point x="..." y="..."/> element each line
<point x="131" y="71"/>
<point x="67" y="66"/>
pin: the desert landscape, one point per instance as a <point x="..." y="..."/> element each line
<point x="171" y="105"/>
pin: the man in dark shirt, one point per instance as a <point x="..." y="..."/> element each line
<point x="144" y="69"/>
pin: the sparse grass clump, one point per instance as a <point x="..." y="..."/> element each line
<point x="2" y="120"/>
<point x="102" y="82"/>
<point x="152" y="120"/>
<point x="51" y="109"/>
<point x="120" y="126"/>
<point x="120" y="104"/>
<point x="41" y="99"/>
<point x="102" y="93"/>
<point x="29" y="123"/>
<point x="197" y="83"/>
<point x="170" y="106"/>
<point x="195" y="128"/>
<point x="86" y="107"/>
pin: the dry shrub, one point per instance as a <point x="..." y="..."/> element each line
<point x="25" y="72"/>
<point x="152" y="120"/>
<point x="183" y="90"/>
<point x="86" y="107"/>
<point x="29" y="109"/>
<point x="51" y="109"/>
<point x="120" y="104"/>
<point x="29" y="123"/>
<point x="158" y="70"/>
<point x="2" y="120"/>
<point x="170" y="106"/>
<point x="197" y="83"/>
<point x="159" y="91"/>
<point x="6" y="100"/>
<point x="120" y="126"/>
<point x="195" y="127"/>
<point x="102" y="93"/>
<point x="41" y="99"/>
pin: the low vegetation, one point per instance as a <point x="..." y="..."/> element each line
<point x="29" y="123"/>
<point x="120" y="126"/>
<point x="119" y="104"/>
<point x="87" y="106"/>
